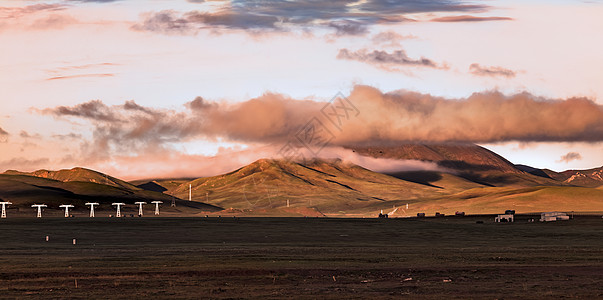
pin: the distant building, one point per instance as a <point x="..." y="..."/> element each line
<point x="437" y="214"/>
<point x="509" y="212"/>
<point x="420" y="215"/>
<point x="459" y="213"/>
<point x="553" y="216"/>
<point x="504" y="218"/>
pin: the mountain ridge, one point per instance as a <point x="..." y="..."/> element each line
<point x="472" y="179"/>
<point x="76" y="174"/>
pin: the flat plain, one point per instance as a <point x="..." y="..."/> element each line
<point x="452" y="257"/>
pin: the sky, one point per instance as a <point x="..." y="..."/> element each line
<point x="175" y="88"/>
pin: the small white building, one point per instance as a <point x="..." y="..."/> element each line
<point x="504" y="218"/>
<point x="553" y="216"/>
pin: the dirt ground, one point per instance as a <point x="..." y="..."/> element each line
<point x="452" y="257"/>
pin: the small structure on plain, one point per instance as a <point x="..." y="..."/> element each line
<point x="553" y="216"/>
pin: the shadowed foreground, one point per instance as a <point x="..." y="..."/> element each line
<point x="299" y="257"/>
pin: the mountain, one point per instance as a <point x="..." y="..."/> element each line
<point x="77" y="174"/>
<point x="533" y="171"/>
<point x="78" y="186"/>
<point x="459" y="157"/>
<point x="471" y="179"/>
<point x="324" y="186"/>
<point x="583" y="178"/>
<point x="337" y="188"/>
<point x="469" y="161"/>
<point x="160" y="185"/>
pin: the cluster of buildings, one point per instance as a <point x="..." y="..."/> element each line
<point x="509" y="216"/>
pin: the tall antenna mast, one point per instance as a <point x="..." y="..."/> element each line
<point x="92" y="208"/>
<point x="39" y="207"/>
<point x="118" y="214"/>
<point x="4" y="204"/>
<point x="66" y="207"/>
<point x="140" y="204"/>
<point x="156" y="207"/>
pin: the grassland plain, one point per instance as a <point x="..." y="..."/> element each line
<point x="452" y="257"/>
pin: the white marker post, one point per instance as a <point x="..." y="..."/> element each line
<point x="190" y="192"/>
<point x="66" y="207"/>
<point x="140" y="204"/>
<point x="39" y="207"/>
<point x="92" y="204"/>
<point x="118" y="214"/>
<point x="4" y="204"/>
<point x="156" y="207"/>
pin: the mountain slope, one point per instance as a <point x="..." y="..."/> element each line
<point x="341" y="189"/>
<point x="588" y="178"/>
<point x="327" y="186"/>
<point x="25" y="190"/>
<point x="468" y="161"/>
<point x="77" y="174"/>
<point x="460" y="157"/>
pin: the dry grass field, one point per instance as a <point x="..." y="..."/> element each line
<point x="452" y="257"/>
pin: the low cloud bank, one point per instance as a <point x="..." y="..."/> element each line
<point x="367" y="116"/>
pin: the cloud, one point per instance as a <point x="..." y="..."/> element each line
<point x="3" y="135"/>
<point x="482" y="117"/>
<point x="41" y="16"/>
<point x="167" y="22"/>
<point x="80" y="76"/>
<point x="479" y="70"/>
<point x="383" y="165"/>
<point x="381" y="118"/>
<point x="17" y="12"/>
<point x="82" y="67"/>
<point x="53" y="21"/>
<point x="24" y="164"/>
<point x="26" y="135"/>
<point x="94" y="70"/>
<point x="166" y="163"/>
<point x="345" y="16"/>
<point x="348" y="28"/>
<point x="570" y="156"/>
<point x="96" y="1"/>
<point x="390" y="38"/>
<point x="386" y="60"/>
<point x="171" y="22"/>
<point x="132" y="139"/>
<point x="94" y="110"/>
<point x="67" y="136"/>
<point x="468" y="18"/>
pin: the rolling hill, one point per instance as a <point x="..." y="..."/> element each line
<point x="323" y="186"/>
<point x="77" y="174"/>
<point x="77" y="188"/>
<point x="472" y="179"/>
<point x="336" y="188"/>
